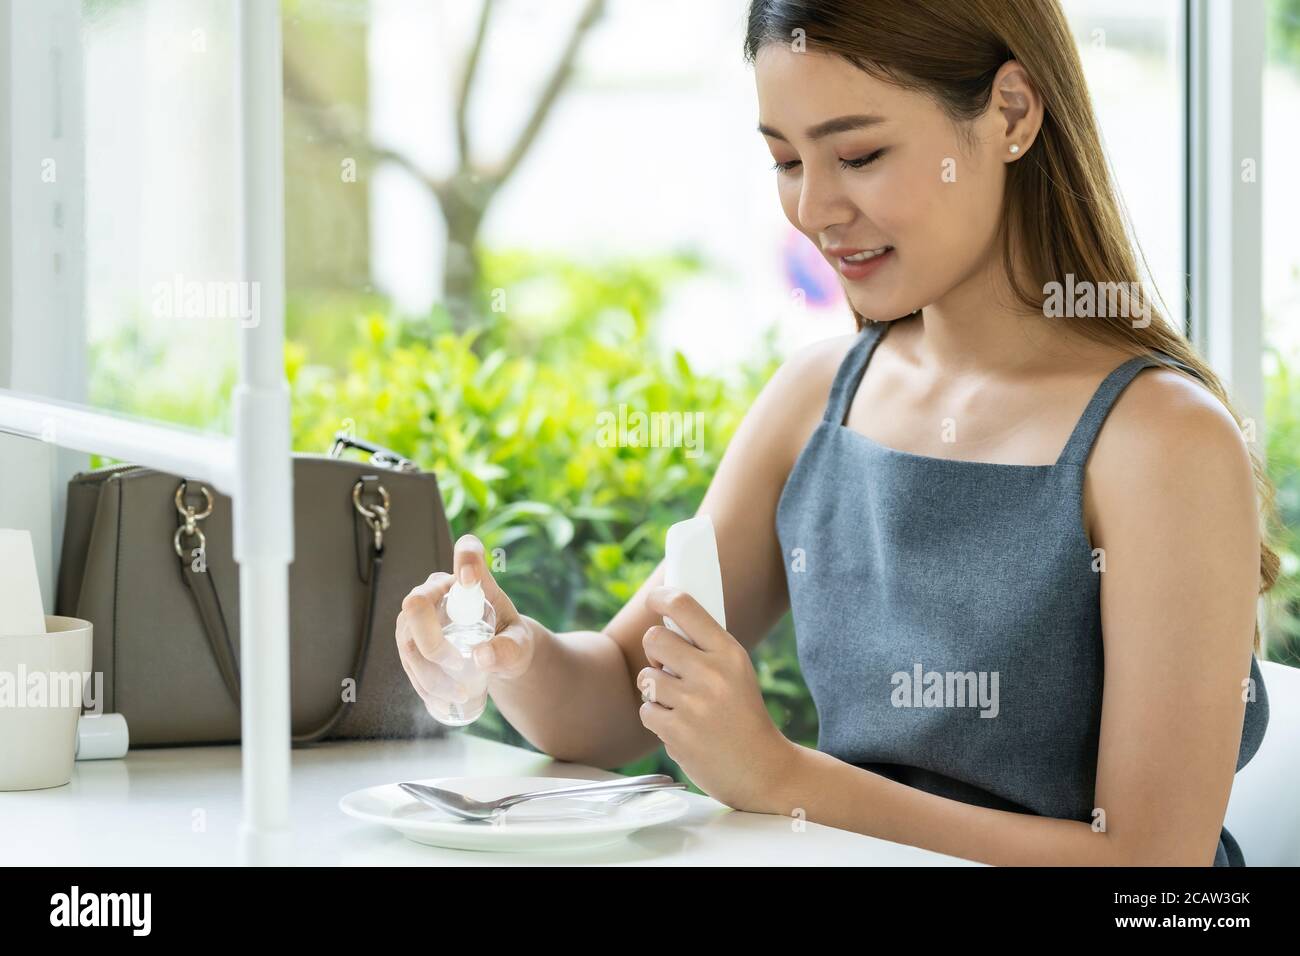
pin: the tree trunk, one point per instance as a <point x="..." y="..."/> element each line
<point x="464" y="201"/>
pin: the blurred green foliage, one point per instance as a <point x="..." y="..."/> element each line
<point x="139" y="370"/>
<point x="1282" y="417"/>
<point x="1284" y="32"/>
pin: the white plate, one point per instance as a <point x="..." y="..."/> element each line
<point x="552" y="823"/>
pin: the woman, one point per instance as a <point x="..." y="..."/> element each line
<point x="1028" y="637"/>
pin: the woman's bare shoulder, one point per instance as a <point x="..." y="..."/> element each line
<point x="795" y="398"/>
<point x="1165" y="412"/>
<point x="1169" y="440"/>
<point x="809" y="370"/>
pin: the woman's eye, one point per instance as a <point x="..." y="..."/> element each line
<point x="862" y="161"/>
<point x="858" y="163"/>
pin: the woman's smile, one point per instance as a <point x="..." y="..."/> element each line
<point x="858" y="264"/>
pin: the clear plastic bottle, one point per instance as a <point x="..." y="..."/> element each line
<point x="467" y="619"/>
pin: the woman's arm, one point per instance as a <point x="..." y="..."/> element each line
<point x="578" y="700"/>
<point x="1171" y="486"/>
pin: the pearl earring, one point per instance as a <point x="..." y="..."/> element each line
<point x="1015" y="148"/>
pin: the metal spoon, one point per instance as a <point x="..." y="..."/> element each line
<point x="470" y="809"/>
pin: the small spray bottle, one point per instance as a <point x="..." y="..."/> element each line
<point x="467" y="619"/>
<point x="691" y="565"/>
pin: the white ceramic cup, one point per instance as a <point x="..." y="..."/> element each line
<point x="38" y="732"/>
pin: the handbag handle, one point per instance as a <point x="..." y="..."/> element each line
<point x="379" y="455"/>
<point x="204" y="590"/>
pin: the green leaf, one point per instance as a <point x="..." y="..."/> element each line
<point x="560" y="529"/>
<point x="475" y="487"/>
<point x="683" y="367"/>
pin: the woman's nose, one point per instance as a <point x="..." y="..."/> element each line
<point x="822" y="202"/>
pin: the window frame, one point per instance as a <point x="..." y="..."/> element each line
<point x="1223" y="79"/>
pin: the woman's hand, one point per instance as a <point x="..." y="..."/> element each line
<point x="435" y="668"/>
<point x="709" y="711"/>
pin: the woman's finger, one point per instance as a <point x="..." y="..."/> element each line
<point x="425" y="632"/>
<point x="508" y="654"/>
<point x="684" y="611"/>
<point x="665" y="648"/>
<point x="657" y="687"/>
<point x="428" y="678"/>
<point x="431" y="591"/>
<point x="431" y="680"/>
<point x="470" y="564"/>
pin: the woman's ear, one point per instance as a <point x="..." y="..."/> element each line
<point x="1017" y="101"/>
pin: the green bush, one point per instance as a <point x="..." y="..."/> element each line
<point x="1282" y="420"/>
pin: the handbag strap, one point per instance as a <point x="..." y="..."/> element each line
<point x="204" y="589"/>
<point x="359" y="665"/>
<point x="194" y="570"/>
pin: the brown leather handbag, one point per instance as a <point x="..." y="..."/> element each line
<point x="148" y="559"/>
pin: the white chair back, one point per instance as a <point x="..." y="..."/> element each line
<point x="1263" y="811"/>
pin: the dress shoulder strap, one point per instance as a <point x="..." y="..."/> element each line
<point x="1079" y="446"/>
<point x="850" y="371"/>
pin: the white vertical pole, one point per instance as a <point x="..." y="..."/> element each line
<point x="1225" y="101"/>
<point x="263" y="500"/>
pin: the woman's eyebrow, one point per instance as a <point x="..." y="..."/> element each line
<point x="840" y="124"/>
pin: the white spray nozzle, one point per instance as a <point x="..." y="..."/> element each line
<point x="465" y="603"/>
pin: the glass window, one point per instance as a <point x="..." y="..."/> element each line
<point x="1132" y="61"/>
<point x="162" y="300"/>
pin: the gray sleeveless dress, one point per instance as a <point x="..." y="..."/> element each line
<point x="947" y="616"/>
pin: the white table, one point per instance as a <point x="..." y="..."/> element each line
<point x="181" y="806"/>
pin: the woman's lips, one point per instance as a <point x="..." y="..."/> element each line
<point x="856" y="270"/>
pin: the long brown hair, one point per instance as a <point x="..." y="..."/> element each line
<point x="1060" y="208"/>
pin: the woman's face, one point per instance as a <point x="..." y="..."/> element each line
<point x="894" y="175"/>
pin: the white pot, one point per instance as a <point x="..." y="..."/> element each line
<point x="38" y="734"/>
